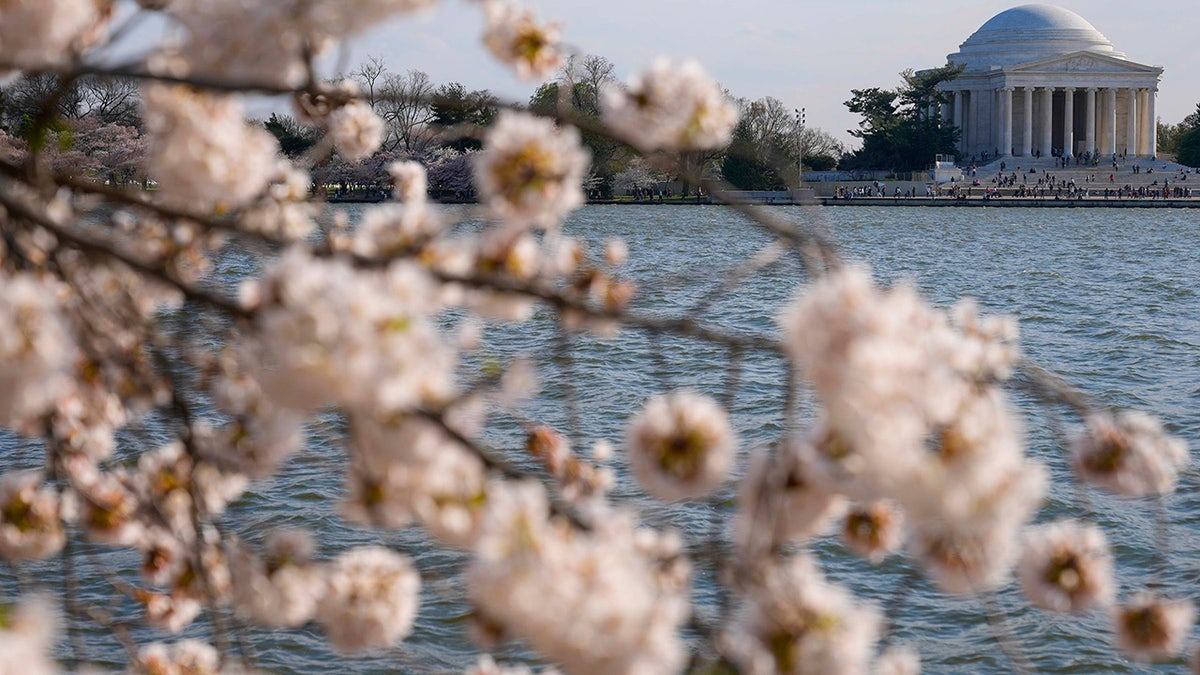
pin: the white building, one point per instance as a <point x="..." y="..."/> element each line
<point x="1041" y="79"/>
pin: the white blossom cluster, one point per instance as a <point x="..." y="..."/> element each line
<point x="1066" y="567"/>
<point x="912" y="415"/>
<point x="265" y="43"/>
<point x="370" y="600"/>
<point x="203" y="154"/>
<point x="1152" y="628"/>
<point x="1129" y="454"/>
<point x="397" y="228"/>
<point x="35" y="346"/>
<point x="185" y="656"/>
<point x="27" y="637"/>
<point x="530" y="571"/>
<point x="31" y="518"/>
<point x="44" y="32"/>
<point x="515" y="37"/>
<point x="260" y="433"/>
<point x="357" y="131"/>
<point x="408" y="470"/>
<point x="331" y="334"/>
<point x="529" y="172"/>
<point x="794" y="621"/>
<point x="671" y="106"/>
<point x="282" y="587"/>
<point x="352" y="123"/>
<point x="681" y="446"/>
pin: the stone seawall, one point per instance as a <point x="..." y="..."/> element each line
<point x="1092" y="203"/>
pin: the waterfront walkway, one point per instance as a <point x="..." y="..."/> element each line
<point x="979" y="201"/>
<point x="1135" y="183"/>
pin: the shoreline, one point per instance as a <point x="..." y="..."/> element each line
<point x="939" y="202"/>
<point x="950" y="202"/>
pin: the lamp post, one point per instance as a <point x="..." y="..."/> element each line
<point x="800" y="119"/>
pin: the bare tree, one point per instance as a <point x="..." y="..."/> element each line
<point x="404" y="105"/>
<point x="369" y="76"/>
<point x="583" y="78"/>
<point x="772" y="126"/>
<point x="29" y="97"/>
<point x="112" y="100"/>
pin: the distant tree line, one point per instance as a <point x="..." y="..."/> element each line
<point x="763" y="154"/>
<point x="96" y="131"/>
<point x="89" y="127"/>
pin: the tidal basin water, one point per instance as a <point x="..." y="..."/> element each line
<point x="1106" y="297"/>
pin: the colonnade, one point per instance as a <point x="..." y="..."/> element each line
<point x="1024" y="120"/>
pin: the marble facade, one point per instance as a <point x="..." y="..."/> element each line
<point x="1042" y="80"/>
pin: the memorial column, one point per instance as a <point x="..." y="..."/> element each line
<point x="1027" y="138"/>
<point x="1143" y="127"/>
<point x="1131" y="135"/>
<point x="1089" y="131"/>
<point x="1006" y="130"/>
<point x="1069" y="124"/>
<point x="975" y="117"/>
<point x="958" y="120"/>
<point x="1110" y="121"/>
<point x="1152" y="120"/>
<point x="1047" y="121"/>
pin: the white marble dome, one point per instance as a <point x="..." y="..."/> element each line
<point x="1029" y="33"/>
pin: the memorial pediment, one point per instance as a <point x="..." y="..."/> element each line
<point x="1083" y="62"/>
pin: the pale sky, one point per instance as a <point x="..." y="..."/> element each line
<point x="807" y="53"/>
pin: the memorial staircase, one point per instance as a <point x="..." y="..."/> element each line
<point x="1095" y="177"/>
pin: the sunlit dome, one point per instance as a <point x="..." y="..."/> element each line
<point x="1037" y="17"/>
<point x="1028" y="33"/>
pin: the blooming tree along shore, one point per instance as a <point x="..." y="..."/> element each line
<point x="916" y="451"/>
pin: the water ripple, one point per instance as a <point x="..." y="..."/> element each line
<point x="1101" y="296"/>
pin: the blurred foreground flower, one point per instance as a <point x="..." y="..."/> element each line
<point x="1129" y="454"/>
<point x="672" y="106"/>
<point x="1066" y="567"/>
<point x="530" y="172"/>
<point x="515" y="37"/>
<point x="681" y="445"/>
<point x="1150" y="628"/>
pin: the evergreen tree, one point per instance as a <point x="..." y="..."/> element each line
<point x="1182" y="140"/>
<point x="455" y="106"/>
<point x="744" y="167"/>
<point x="576" y="93"/>
<point x="294" y="140"/>
<point x="896" y="131"/>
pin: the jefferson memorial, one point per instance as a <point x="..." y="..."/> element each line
<point x="1039" y="79"/>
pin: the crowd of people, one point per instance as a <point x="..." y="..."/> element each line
<point x="1032" y="183"/>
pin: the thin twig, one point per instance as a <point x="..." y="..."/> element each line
<point x="497" y="465"/>
<point x="71" y="602"/>
<point x="658" y="355"/>
<point x="182" y="409"/>
<point x="734" y="278"/>
<point x="562" y="301"/>
<point x="1162" y="543"/>
<point x="898" y="599"/>
<point x="1004" y="636"/>
<point x="566" y="362"/>
<point x="90" y="244"/>
<point x="733" y="379"/>
<point x="1052" y="388"/>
